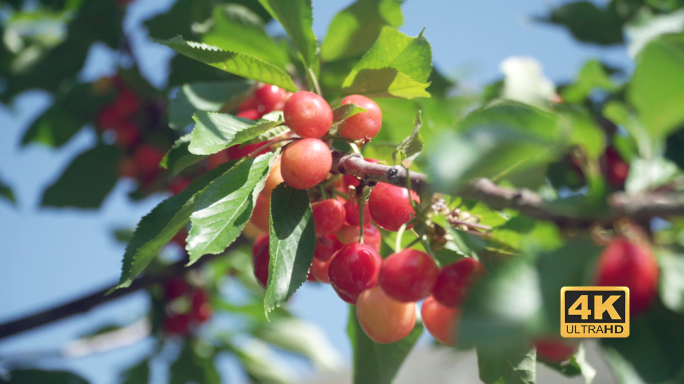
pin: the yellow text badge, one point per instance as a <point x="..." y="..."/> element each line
<point x="594" y="312"/>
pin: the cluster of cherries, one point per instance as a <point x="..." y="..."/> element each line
<point x="179" y="316"/>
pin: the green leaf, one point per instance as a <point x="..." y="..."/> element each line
<point x="194" y="366"/>
<point x="271" y="134"/>
<point x="378" y="363"/>
<point x="224" y="208"/>
<point x="137" y="374"/>
<point x="396" y="66"/>
<point x="648" y="174"/>
<point x="354" y="29"/>
<point x="621" y="114"/>
<point x="655" y="88"/>
<point x="514" y="366"/>
<point x="160" y="225"/>
<point x="209" y="97"/>
<point x="86" y="181"/>
<point x="292" y="241"/>
<point x="593" y="75"/>
<point x="236" y="28"/>
<point x="342" y="113"/>
<point x="7" y="192"/>
<point x="34" y="376"/>
<point x="521" y="231"/>
<point x="296" y="17"/>
<point x="241" y="64"/>
<point x="672" y="281"/>
<point x="589" y="23"/>
<point x="215" y="132"/>
<point x="179" y="157"/>
<point x="262" y="363"/>
<point x="411" y="146"/>
<point x="583" y="130"/>
<point x="577" y="365"/>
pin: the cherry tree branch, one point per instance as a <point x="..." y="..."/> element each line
<point x="92" y="300"/>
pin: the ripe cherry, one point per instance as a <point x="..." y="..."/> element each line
<point x="237" y="152"/>
<point x="180" y="238"/>
<point x="178" y="324"/>
<point x="440" y="321"/>
<point x="353" y="213"/>
<point x="617" y="168"/>
<point x="554" y="350"/>
<point x="261" y="257"/>
<point x="174" y="288"/>
<point x="326" y="246"/>
<point x="178" y="184"/>
<point x="251" y="114"/>
<point x="364" y="125"/>
<point x="250" y="103"/>
<point x="126" y="104"/>
<point x="127" y="134"/>
<point x="273" y="180"/>
<point x="308" y="115"/>
<point x="354" y="269"/>
<point x="389" y="206"/>
<point x="408" y="275"/>
<point x="455" y="280"/>
<point x="627" y="264"/>
<point x="147" y="158"/>
<point x="319" y="269"/>
<point x="349" y="234"/>
<point x="328" y="216"/>
<point x="268" y="97"/>
<point x="201" y="309"/>
<point x="217" y="159"/>
<point x="384" y="319"/>
<point x="305" y="163"/>
<point x="261" y="212"/>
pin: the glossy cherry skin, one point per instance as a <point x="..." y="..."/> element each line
<point x="268" y="97"/>
<point x="354" y="269"/>
<point x="349" y="234"/>
<point x="326" y="246"/>
<point x="628" y="264"/>
<point x="308" y="115"/>
<point x="328" y="216"/>
<point x="554" y="350"/>
<point x="455" y="280"/>
<point x="178" y="324"/>
<point x="364" y="125"/>
<point x="147" y="158"/>
<point x="261" y="257"/>
<point x="319" y="269"/>
<point x="408" y="276"/>
<point x="305" y="163"/>
<point x="174" y="288"/>
<point x="384" y="319"/>
<point x="389" y="206"/>
<point x="251" y="114"/>
<point x="440" y="321"/>
<point x="261" y="212"/>
<point x="353" y="213"/>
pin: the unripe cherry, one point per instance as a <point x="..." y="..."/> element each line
<point x="354" y="269"/>
<point x="260" y="258"/>
<point x="305" y="163"/>
<point x="319" y="269"/>
<point x="384" y="319"/>
<point x="308" y="115"/>
<point x="389" y="206"/>
<point x="364" y="125"/>
<point x="251" y="114"/>
<point x="261" y="212"/>
<point x="328" y="216"/>
<point x="440" y="321"/>
<point x="349" y="234"/>
<point x="408" y="275"/>
<point x="455" y="280"/>
<point x="326" y="246"/>
<point x="178" y="324"/>
<point x="554" y="350"/>
<point x="627" y="264"/>
<point x="268" y="97"/>
<point x="353" y="213"/>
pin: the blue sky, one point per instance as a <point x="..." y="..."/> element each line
<point x="50" y="256"/>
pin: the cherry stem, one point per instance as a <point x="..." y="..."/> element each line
<point x="362" y="205"/>
<point x="412" y="243"/>
<point x="254" y="152"/>
<point x="397" y="241"/>
<point x="323" y="192"/>
<point x="314" y="80"/>
<point x="472" y="225"/>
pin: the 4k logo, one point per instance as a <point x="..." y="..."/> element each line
<point x="595" y="312"/>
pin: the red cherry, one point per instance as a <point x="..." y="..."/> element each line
<point x="326" y="246"/>
<point x="201" y="309"/>
<point x="617" y="168"/>
<point x="177" y="324"/>
<point x="126" y="104"/>
<point x="261" y="213"/>
<point x="108" y="117"/>
<point x="147" y="158"/>
<point x="354" y="269"/>
<point x="180" y="238"/>
<point x="179" y="184"/>
<point x="353" y="213"/>
<point x="383" y="319"/>
<point x="319" y="269"/>
<point x="251" y="114"/>
<point x="268" y="97"/>
<point x="389" y="206"/>
<point x="217" y="159"/>
<point x="127" y="134"/>
<point x="237" y="152"/>
<point x="408" y="275"/>
<point x="261" y="257"/>
<point x="350" y="234"/>
<point x="311" y="277"/>
<point x="554" y="350"/>
<point x="440" y="321"/>
<point x="364" y="125"/>
<point x="328" y="216"/>
<point x="250" y="103"/>
<point x="455" y="280"/>
<point x="305" y="163"/>
<point x="174" y="288"/>
<point x="308" y="115"/>
<point x="627" y="264"/>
